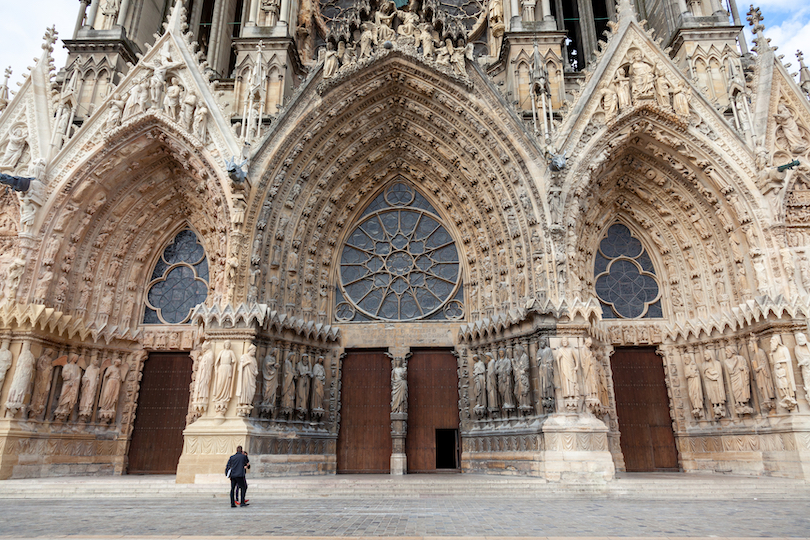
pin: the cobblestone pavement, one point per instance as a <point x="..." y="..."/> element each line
<point x="426" y="517"/>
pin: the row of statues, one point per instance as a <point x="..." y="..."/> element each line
<point x="502" y="381"/>
<point x="772" y="376"/>
<point x="289" y="388"/>
<point x="86" y="389"/>
<point x="402" y="28"/>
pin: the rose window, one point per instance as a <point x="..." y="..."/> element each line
<point x="625" y="277"/>
<point x="399" y="263"/>
<point x="179" y="281"/>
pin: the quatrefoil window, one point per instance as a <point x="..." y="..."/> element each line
<point x="399" y="263"/>
<point x="625" y="277"/>
<point x="179" y="281"/>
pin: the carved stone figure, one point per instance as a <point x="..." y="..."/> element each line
<point x="590" y="377"/>
<point x="545" y="367"/>
<point x="426" y="40"/>
<point x="288" y="385"/>
<point x="5" y="360"/>
<point x="303" y="374"/>
<point x="224" y="367"/>
<point x="621" y="83"/>
<point x="694" y="388"/>
<point x="366" y="39"/>
<point x="187" y="110"/>
<point x="23" y="375"/>
<point x="783" y="373"/>
<point x="15" y="147"/>
<point x="568" y="365"/>
<point x="399" y="386"/>
<point x="331" y="61"/>
<point x="505" y="384"/>
<point x="802" y="352"/>
<point x="662" y="88"/>
<point x="740" y="377"/>
<point x="713" y="382"/>
<point x="479" y="386"/>
<point x="246" y="385"/>
<point x="13" y="277"/>
<point x="110" y="390"/>
<point x="115" y="113"/>
<point x="270" y="368"/>
<point x="492" y="387"/>
<point x="42" y="384"/>
<point x="762" y="373"/>
<point x="784" y="119"/>
<point x="89" y="387"/>
<point x="158" y="80"/>
<point x="200" y="119"/>
<point x="642" y="77"/>
<point x="680" y="99"/>
<point x="71" y="382"/>
<point x="384" y="21"/>
<point x="610" y="101"/>
<point x="522" y="388"/>
<point x="318" y="382"/>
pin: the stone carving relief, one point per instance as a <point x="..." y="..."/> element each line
<point x="713" y="383"/>
<point x="783" y="373"/>
<point x="71" y="383"/>
<point x="246" y="384"/>
<point x="568" y="367"/>
<point x="802" y="352"/>
<point x="21" y="382"/>
<point x="224" y="370"/>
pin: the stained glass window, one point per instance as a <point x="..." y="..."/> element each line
<point x="625" y="277"/>
<point x="399" y="263"/>
<point x="179" y="281"/>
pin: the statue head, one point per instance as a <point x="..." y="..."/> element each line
<point x="252" y="349"/>
<point x="729" y="351"/>
<point x="227" y="344"/>
<point x="564" y="341"/>
<point x="588" y="342"/>
<point x="543" y="343"/>
<point x="501" y="352"/>
<point x="801" y="339"/>
<point x="775" y="342"/>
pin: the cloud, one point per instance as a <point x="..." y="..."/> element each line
<point x="22" y="28"/>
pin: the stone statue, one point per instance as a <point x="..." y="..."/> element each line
<point x="14" y="149"/>
<point x="384" y="22"/>
<point x="662" y="88"/>
<point x="492" y="387"/>
<point x="621" y="83"/>
<point x="303" y="373"/>
<point x="590" y="377"/>
<point x="110" y="389"/>
<point x="5" y="360"/>
<point x="522" y="388"/>
<point x="783" y="373"/>
<point x="545" y="367"/>
<point x="225" y="364"/>
<point x="399" y="387"/>
<point x="642" y="77"/>
<point x="740" y="378"/>
<point x="426" y="40"/>
<point x="171" y="101"/>
<point x="568" y="365"/>
<point x="331" y="62"/>
<point x="318" y="382"/>
<point x="14" y="277"/>
<point x="246" y="385"/>
<point x="366" y="39"/>
<point x="762" y="374"/>
<point x="89" y="387"/>
<point x="713" y="382"/>
<point x="200" y="119"/>
<point x="802" y="352"/>
<point x="187" y="110"/>
<point x="680" y="99"/>
<point x="694" y="388"/>
<point x="610" y="101"/>
<point x="784" y="119"/>
<point x="42" y="384"/>
<point x="479" y="386"/>
<point x="270" y="367"/>
<point x="71" y="381"/>
<point x="202" y="382"/>
<point x="115" y="113"/>
<point x="288" y="385"/>
<point x="23" y="375"/>
<point x="158" y="80"/>
<point x="503" y="369"/>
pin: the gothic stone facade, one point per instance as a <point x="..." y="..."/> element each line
<point x="267" y="188"/>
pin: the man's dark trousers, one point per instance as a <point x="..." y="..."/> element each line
<point x="241" y="483"/>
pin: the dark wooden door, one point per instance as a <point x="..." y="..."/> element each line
<point x="364" y="439"/>
<point x="642" y="405"/>
<point x="432" y="406"/>
<point x="157" y="436"/>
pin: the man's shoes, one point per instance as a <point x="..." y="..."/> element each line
<point x="245" y="504"/>
<point x="233" y="506"/>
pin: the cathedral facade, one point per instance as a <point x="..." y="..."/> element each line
<point x="558" y="239"/>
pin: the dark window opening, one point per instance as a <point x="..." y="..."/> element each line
<point x="447" y="449"/>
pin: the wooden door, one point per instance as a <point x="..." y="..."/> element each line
<point x="157" y="436"/>
<point x="432" y="406"/>
<point x="642" y="405"/>
<point x="364" y="439"/>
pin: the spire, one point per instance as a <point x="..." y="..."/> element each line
<point x="804" y="74"/>
<point x="177" y="19"/>
<point x="625" y="11"/>
<point x="755" y="19"/>
<point x="4" y="90"/>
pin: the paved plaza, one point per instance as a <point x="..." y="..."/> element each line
<point x="209" y="515"/>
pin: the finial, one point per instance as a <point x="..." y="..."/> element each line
<point x="177" y="18"/>
<point x="755" y="19"/>
<point x="804" y="73"/>
<point x="625" y="10"/>
<point x="50" y="38"/>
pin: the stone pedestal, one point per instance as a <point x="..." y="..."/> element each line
<point x="575" y="449"/>
<point x="207" y="444"/>
<point x="399" y="428"/>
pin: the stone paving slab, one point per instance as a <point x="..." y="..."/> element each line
<point x="480" y="518"/>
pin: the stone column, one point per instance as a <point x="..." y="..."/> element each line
<point x="546" y="14"/>
<point x="253" y="13"/>
<point x="91" y="17"/>
<point x="122" y="13"/>
<point x="82" y="11"/>
<point x="399" y="408"/>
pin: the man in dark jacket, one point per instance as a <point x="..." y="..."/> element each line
<point x="235" y="470"/>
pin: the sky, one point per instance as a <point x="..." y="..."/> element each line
<point x="23" y="24"/>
